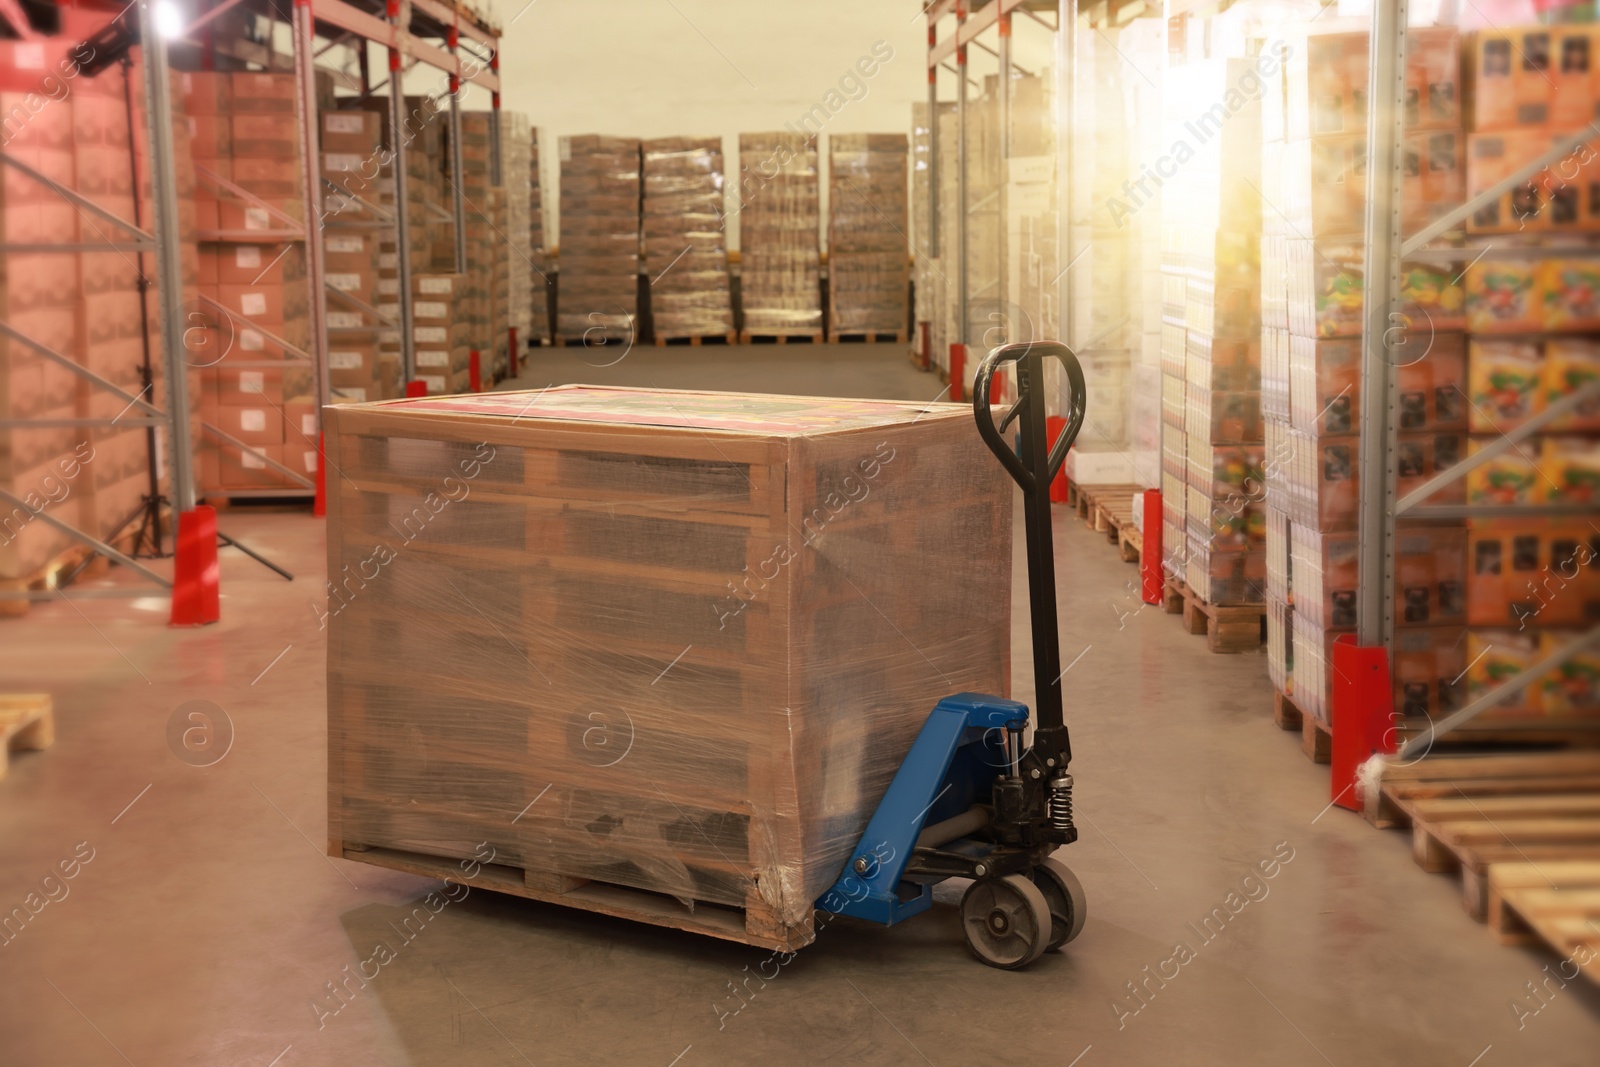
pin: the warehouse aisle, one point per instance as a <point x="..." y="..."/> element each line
<point x="206" y="927"/>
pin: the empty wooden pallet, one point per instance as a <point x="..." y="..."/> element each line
<point x="1472" y="813"/>
<point x="1556" y="901"/>
<point x="27" y="723"/>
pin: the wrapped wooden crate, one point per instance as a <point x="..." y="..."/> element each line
<point x="685" y="245"/>
<point x="869" y="271"/>
<point x="660" y="651"/>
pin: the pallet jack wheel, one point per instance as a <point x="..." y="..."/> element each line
<point x="1007" y="921"/>
<point x="1064" y="894"/>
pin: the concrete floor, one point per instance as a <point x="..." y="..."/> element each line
<point x="208" y="918"/>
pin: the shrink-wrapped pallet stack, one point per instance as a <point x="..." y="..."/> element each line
<point x="685" y="240"/>
<point x="360" y="367"/>
<point x="656" y="674"/>
<point x="515" y="274"/>
<point x="868" y="266"/>
<point x="541" y="282"/>
<point x="780" y="263"/>
<point x="1212" y="523"/>
<point x="599" y="295"/>
<point x="1313" y="168"/>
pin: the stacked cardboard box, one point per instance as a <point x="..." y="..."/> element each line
<point x="685" y="242"/>
<point x="542" y="287"/>
<point x="515" y="267"/>
<point x="868" y="269"/>
<point x="1533" y="583"/>
<point x="245" y="129"/>
<point x="729" y="761"/>
<point x="1214" y="528"/>
<point x="486" y="234"/>
<point x="599" y="238"/>
<point x="442" y="342"/>
<point x="1313" y="305"/>
<point x="352" y="160"/>
<point x="779" y="261"/>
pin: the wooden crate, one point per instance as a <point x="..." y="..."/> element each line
<point x="655" y="647"/>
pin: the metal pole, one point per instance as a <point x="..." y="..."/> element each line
<point x="306" y="103"/>
<point x="402" y="226"/>
<point x="963" y="327"/>
<point x="933" y="146"/>
<point x="1066" y="115"/>
<point x="169" y="262"/>
<point x="1379" y="392"/>
<point x="1004" y="296"/>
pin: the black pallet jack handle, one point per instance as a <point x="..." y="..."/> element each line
<point x="1034" y="469"/>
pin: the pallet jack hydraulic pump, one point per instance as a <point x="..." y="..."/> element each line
<point x="970" y="800"/>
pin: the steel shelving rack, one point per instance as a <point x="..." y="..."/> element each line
<point x="412" y="32"/>
<point x="1381" y="505"/>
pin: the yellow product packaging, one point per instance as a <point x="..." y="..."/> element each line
<point x="1573" y="688"/>
<point x="1509" y="478"/>
<point x="1571" y="470"/>
<point x="1505" y="380"/>
<point x="1494" y="657"/>
<point x="1570" y="364"/>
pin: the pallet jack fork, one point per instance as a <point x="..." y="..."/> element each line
<point x="970" y="800"/>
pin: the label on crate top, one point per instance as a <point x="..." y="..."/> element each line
<point x="252" y="420"/>
<point x="252" y="461"/>
<point x="430" y="335"/>
<point x="388" y="286"/>
<point x="345" y="283"/>
<point x="344" y="360"/>
<point x="431" y="309"/>
<point x="433" y="357"/>
<point x="435" y="286"/>
<point x="253" y="381"/>
<point x="341" y="162"/>
<point x="251" y="341"/>
<point x="257" y="218"/>
<point x="334" y="122"/>
<point x="253" y="304"/>
<point x="343" y="242"/>
<point x="308" y="428"/>
<point x="344" y="320"/>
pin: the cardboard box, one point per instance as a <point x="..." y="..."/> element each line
<point x="1570" y="364"/>
<point x="1572" y="688"/>
<point x="1503" y="296"/>
<point x="1569" y="288"/>
<point x="1505" y="382"/>
<point x="259" y="425"/>
<point x="251" y="265"/>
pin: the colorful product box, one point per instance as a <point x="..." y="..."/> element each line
<point x="1505" y="382"/>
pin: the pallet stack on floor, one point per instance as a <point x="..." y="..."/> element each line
<point x="599" y="295"/>
<point x="1213" y="526"/>
<point x="868" y="268"/>
<point x="779" y="261"/>
<point x="685" y="240"/>
<point x="718" y="784"/>
<point x="542" y="281"/>
<point x="515" y="276"/>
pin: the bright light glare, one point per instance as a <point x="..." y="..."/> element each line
<point x="169" y="20"/>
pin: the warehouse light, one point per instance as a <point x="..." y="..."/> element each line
<point x="169" y="20"/>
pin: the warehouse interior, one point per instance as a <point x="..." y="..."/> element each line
<point x="526" y="531"/>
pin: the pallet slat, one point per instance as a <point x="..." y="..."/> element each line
<point x="27" y="724"/>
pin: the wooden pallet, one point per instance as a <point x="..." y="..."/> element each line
<point x="779" y="336"/>
<point x="27" y="724"/>
<point x="1470" y="813"/>
<point x="1557" y="901"/>
<point x="1227" y="628"/>
<point x="694" y="339"/>
<point x="1108" y="509"/>
<point x="754" y="924"/>
<point x="1316" y="740"/>
<point x="78" y="560"/>
<point x="867" y="336"/>
<point x="598" y="340"/>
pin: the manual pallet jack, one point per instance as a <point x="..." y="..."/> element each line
<point x="969" y="800"/>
